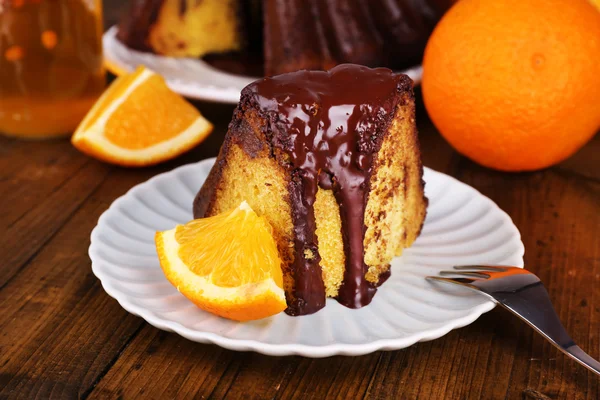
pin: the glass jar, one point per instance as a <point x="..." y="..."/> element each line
<point x="51" y="70"/>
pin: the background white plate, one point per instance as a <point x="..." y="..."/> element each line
<point x="462" y="227"/>
<point x="190" y="77"/>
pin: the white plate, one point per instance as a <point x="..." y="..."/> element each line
<point x="462" y="227"/>
<point x="190" y="77"/>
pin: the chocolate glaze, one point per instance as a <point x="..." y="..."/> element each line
<point x="349" y="31"/>
<point x="329" y="125"/>
<point x="136" y="23"/>
<point x="310" y="34"/>
<point x="405" y="26"/>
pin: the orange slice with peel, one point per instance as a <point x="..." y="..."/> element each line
<point x="139" y="121"/>
<point x="227" y="264"/>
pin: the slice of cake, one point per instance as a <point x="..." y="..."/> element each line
<point x="332" y="160"/>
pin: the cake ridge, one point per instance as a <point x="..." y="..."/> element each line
<point x="289" y="35"/>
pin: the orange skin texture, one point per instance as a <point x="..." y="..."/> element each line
<point x="93" y="150"/>
<point x="515" y="85"/>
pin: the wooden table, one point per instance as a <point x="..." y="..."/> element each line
<point x="62" y="336"/>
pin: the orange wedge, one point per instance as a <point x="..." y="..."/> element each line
<point x="227" y="264"/>
<point x="139" y="121"/>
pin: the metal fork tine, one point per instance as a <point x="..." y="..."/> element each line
<point x="458" y="281"/>
<point x="469" y="274"/>
<point x="481" y="267"/>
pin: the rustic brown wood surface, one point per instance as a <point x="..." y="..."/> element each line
<point x="62" y="336"/>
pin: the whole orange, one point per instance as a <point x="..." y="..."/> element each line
<point x="515" y="84"/>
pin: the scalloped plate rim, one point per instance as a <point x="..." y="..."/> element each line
<point x="347" y="349"/>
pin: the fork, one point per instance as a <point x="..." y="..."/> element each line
<point x="522" y="293"/>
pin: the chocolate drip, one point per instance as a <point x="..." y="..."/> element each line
<point x="309" y="296"/>
<point x="329" y="125"/>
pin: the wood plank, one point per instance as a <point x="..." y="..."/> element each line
<point x="586" y="161"/>
<point x="43" y="183"/>
<point x="164" y="365"/>
<point x="23" y="238"/>
<point x="196" y="370"/>
<point x="60" y="331"/>
<point x="331" y="378"/>
<point x="562" y="236"/>
<point x="56" y="339"/>
<point x="7" y="144"/>
<point x="31" y="171"/>
<point x="436" y="153"/>
<point x="263" y="376"/>
<point x="454" y="366"/>
<point x="498" y="356"/>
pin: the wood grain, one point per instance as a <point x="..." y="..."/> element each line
<point x="40" y="204"/>
<point x="59" y="329"/>
<point x="62" y="336"/>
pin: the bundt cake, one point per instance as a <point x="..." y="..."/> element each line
<point x="296" y="34"/>
<point x="332" y="160"/>
<point x="181" y="28"/>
